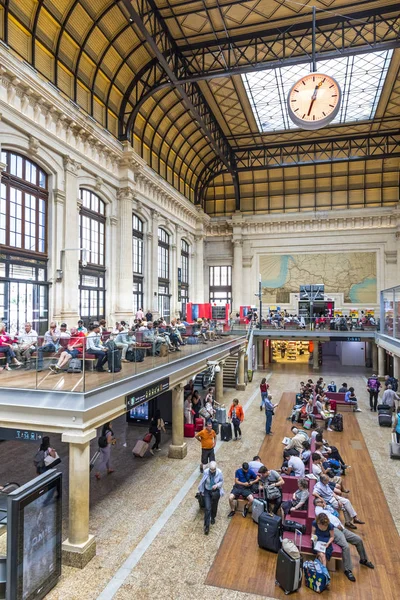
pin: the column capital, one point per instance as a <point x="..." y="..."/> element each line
<point x="71" y="165"/>
<point x="126" y="193"/>
<point x="178" y="387"/>
<point x="237" y="243"/>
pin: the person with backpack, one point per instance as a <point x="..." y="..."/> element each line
<point x="45" y="456"/>
<point x="373" y="387"/>
<point x="391" y="381"/>
<point x="156" y="426"/>
<point x="106" y="440"/>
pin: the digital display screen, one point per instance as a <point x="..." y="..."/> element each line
<point x="39" y="556"/>
<point x="140" y="413"/>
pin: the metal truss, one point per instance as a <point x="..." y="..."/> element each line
<point x="167" y="68"/>
<point x="348" y="148"/>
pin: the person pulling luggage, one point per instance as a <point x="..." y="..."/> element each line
<point x="208" y="438"/>
<point x="211" y="488"/>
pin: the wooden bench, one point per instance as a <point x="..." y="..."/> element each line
<point x="341" y="404"/>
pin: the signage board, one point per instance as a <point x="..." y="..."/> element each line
<point x="25" y="435"/>
<point x="344" y="339"/>
<point x="147" y="393"/>
<point x="312" y="292"/>
<point x="234" y="350"/>
<point x="179" y="284"/>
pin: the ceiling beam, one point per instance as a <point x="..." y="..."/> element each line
<point x="159" y="41"/>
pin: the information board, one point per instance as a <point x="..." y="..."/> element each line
<point x="147" y="393"/>
<point x="25" y="435"/>
<point x="218" y="312"/>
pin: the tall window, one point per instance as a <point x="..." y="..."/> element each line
<point x="184" y="283"/>
<point x="92" y="260"/>
<point x="220" y="285"/>
<point x="137" y="248"/>
<point x="164" y="297"/>
<point x="23" y="237"/>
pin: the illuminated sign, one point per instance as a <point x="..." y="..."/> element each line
<point x="147" y="393"/>
<point x="25" y="435"/>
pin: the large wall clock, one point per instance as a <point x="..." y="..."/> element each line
<point x="314" y="101"/>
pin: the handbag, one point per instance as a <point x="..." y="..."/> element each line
<point x="272" y="492"/>
<point x="147" y="438"/>
<point x="308" y="424"/>
<point x="49" y="460"/>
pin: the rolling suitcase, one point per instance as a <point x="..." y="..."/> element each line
<point x="316" y="576"/>
<point x="385" y="419"/>
<point x="140" y="448"/>
<point x="188" y="430"/>
<point x="394" y="448"/>
<point x="269" y="532"/>
<point x="289" y="571"/>
<point x="258" y="507"/>
<point x="221" y="415"/>
<point x="383" y="408"/>
<point x="198" y="424"/>
<point x="215" y="426"/>
<point x="226" y="432"/>
<point x="113" y="357"/>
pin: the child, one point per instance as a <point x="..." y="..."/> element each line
<point x="323" y="531"/>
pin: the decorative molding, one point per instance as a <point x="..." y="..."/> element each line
<point x="59" y="197"/>
<point x="71" y="165"/>
<point x="34" y="144"/>
<point x="99" y="184"/>
<point x="391" y="257"/>
<point x="3" y="166"/>
<point x="237" y="243"/>
<point x="126" y="193"/>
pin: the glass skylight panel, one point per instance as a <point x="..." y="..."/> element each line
<point x="361" y="78"/>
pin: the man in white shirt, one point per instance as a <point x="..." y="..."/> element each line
<point x="343" y="537"/>
<point x="295" y="467"/>
<point x="27" y="341"/>
<point x="94" y="346"/>
<point x="255" y="464"/>
<point x="297" y="441"/>
<point x="389" y="397"/>
<point x="323" y="490"/>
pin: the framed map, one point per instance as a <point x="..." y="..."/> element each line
<point x="350" y="273"/>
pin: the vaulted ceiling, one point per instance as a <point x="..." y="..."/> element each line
<point x="170" y="76"/>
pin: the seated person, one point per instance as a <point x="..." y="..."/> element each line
<point x="255" y="464"/>
<point x="94" y="346"/>
<point x="322" y="531"/>
<point x="326" y="449"/>
<point x="351" y="398"/>
<point x="306" y="452"/>
<point x="73" y="350"/>
<point x="272" y="483"/>
<point x="297" y="440"/>
<point x="27" y="342"/>
<point x="245" y="478"/>
<point x="6" y="344"/>
<point x="323" y="408"/>
<point x="295" y="465"/>
<point x="323" y="490"/>
<point x="319" y="468"/>
<point x="124" y="340"/>
<point x="299" y="499"/>
<point x="343" y="389"/>
<point x="151" y="336"/>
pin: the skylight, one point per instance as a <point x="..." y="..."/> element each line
<point x="361" y="78"/>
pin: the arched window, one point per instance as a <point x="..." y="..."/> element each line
<point x="137" y="248"/>
<point x="23" y="237"/>
<point x="164" y="297"/>
<point x="92" y="223"/>
<point x="183" y="285"/>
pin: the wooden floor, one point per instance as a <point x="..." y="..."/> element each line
<point x="90" y="380"/>
<point x="241" y="565"/>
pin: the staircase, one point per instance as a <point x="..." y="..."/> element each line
<point x="230" y="368"/>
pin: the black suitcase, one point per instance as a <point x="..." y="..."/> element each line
<point x="135" y="355"/>
<point x="293" y="526"/>
<point x="226" y="432"/>
<point x="289" y="572"/>
<point x="215" y="426"/>
<point x="384" y="408"/>
<point x="385" y="419"/>
<point x="269" y="532"/>
<point x="394" y="448"/>
<point x="113" y="357"/>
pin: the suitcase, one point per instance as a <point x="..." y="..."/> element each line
<point x="269" y="532"/>
<point x="188" y="430"/>
<point x="198" y="424"/>
<point x="258" y="507"/>
<point x="113" y="358"/>
<point x="293" y="526"/>
<point x="215" y="426"/>
<point x="384" y="408"/>
<point x="316" y="576"/>
<point x="94" y="459"/>
<point x="385" y="419"/>
<point x="140" y="448"/>
<point x="226" y="432"/>
<point x="221" y="415"/>
<point x="289" y="572"/>
<point x="394" y="448"/>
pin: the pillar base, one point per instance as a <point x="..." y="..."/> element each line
<point x="241" y="387"/>
<point x="78" y="555"/>
<point x="177" y="451"/>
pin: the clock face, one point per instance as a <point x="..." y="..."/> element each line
<point x="314" y="101"/>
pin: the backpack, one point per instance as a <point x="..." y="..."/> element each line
<point x="103" y="441"/>
<point x="337" y="422"/>
<point x="395" y="384"/>
<point x="38" y="459"/>
<point x="373" y="384"/>
<point x="75" y="366"/>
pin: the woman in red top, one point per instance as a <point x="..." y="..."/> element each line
<point x="237" y="415"/>
<point x="73" y="350"/>
<point x="264" y="391"/>
<point x="6" y="348"/>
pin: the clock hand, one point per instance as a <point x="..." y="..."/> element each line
<point x="314" y="97"/>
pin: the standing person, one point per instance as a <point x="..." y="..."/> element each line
<point x="196" y="403"/>
<point x="237" y="415"/>
<point x="149" y="316"/>
<point x="140" y="314"/>
<point x="211" y="488"/>
<point x="264" y="391"/>
<point x="208" y="439"/>
<point x="156" y="426"/>
<point x="396" y="425"/>
<point x="373" y="387"/>
<point x="44" y="450"/>
<point x="106" y="440"/>
<point x="269" y="412"/>
<point x="389" y="397"/>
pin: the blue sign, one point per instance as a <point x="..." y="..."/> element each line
<point x="23" y="435"/>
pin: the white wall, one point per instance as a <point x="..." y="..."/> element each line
<point x="352" y="353"/>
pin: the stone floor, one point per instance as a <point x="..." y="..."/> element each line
<point x="149" y="532"/>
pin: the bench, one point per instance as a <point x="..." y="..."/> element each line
<point x="340" y="401"/>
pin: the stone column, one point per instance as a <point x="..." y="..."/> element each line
<point x="237" y="275"/>
<point x="241" y="384"/>
<point x="396" y="367"/>
<point x="374" y="358"/>
<point x="198" y="292"/>
<point x="178" y="448"/>
<point x="154" y="258"/>
<point x="315" y="357"/>
<point x="124" y="266"/>
<point x="219" y="383"/>
<point x="70" y="253"/>
<point x="80" y="547"/>
<point x="381" y="362"/>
